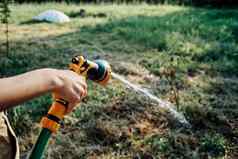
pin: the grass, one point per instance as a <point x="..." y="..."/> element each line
<point x="182" y="54"/>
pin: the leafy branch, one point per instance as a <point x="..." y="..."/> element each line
<point x="5" y="14"/>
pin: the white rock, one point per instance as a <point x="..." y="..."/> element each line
<point x="52" y="16"/>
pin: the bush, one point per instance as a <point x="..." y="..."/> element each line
<point x="4" y="18"/>
<point x="213" y="145"/>
<point x="215" y="3"/>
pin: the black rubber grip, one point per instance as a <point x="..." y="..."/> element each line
<point x="63" y="102"/>
<point x="54" y="118"/>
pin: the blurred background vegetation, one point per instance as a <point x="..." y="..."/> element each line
<point x="214" y="3"/>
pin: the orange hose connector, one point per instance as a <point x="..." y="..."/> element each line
<point x="56" y="113"/>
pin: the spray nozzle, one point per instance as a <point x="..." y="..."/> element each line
<point x="98" y="71"/>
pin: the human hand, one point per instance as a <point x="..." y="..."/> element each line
<point x="70" y="87"/>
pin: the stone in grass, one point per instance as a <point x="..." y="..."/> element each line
<point x="53" y="16"/>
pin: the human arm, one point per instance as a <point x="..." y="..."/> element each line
<point x="66" y="84"/>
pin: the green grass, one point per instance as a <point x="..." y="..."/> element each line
<point x="191" y="52"/>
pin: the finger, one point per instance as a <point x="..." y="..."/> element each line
<point x="85" y="93"/>
<point x="79" y="90"/>
<point x="79" y="79"/>
<point x="71" y="107"/>
<point x="74" y="100"/>
<point x="82" y="83"/>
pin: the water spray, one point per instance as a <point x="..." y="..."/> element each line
<point x="164" y="105"/>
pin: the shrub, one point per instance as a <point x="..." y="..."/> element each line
<point x="4" y="18"/>
<point x="216" y="3"/>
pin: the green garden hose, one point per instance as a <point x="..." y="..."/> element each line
<point x="41" y="144"/>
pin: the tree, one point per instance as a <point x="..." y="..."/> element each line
<point x="4" y="18"/>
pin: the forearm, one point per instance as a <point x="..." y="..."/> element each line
<point x="17" y="89"/>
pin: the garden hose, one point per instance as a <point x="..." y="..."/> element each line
<point x="98" y="71"/>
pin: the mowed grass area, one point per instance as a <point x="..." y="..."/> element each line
<point x="188" y="56"/>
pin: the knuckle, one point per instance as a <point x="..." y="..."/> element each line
<point x="74" y="98"/>
<point x="77" y="98"/>
<point x="85" y="93"/>
<point x="83" y="84"/>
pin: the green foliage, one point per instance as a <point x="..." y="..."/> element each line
<point x="4" y="18"/>
<point x="5" y="11"/>
<point x="215" y="145"/>
<point x="158" y="144"/>
<point x="171" y="146"/>
<point x="214" y="3"/>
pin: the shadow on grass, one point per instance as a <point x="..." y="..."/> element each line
<point x="201" y="40"/>
<point x="82" y="13"/>
<point x="31" y="22"/>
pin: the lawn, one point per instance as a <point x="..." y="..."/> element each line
<point x="188" y="56"/>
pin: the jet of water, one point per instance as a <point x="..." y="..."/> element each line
<point x="165" y="105"/>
